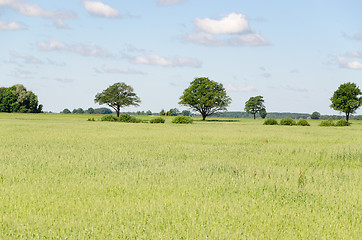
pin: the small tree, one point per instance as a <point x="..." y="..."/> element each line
<point x="66" y="111"/>
<point x="117" y="96"/>
<point x="205" y="96"/>
<point x="315" y="115"/>
<point x="149" y="112"/>
<point x="254" y="105"/>
<point x="162" y="113"/>
<point x="346" y="99"/>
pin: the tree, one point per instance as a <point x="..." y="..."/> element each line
<point x="254" y="105"/>
<point x="66" y="111"/>
<point x="149" y="112"/>
<point x="163" y="113"/>
<point x="205" y="96"/>
<point x="117" y="96"/>
<point x="346" y="99"/>
<point x="173" y="112"/>
<point x="315" y="115"/>
<point x="185" y="113"/>
<point x="263" y="113"/>
<point x="90" y="110"/>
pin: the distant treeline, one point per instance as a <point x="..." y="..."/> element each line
<point x="280" y="115"/>
<point x="88" y="111"/>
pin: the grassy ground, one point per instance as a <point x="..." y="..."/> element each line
<point x="64" y="177"/>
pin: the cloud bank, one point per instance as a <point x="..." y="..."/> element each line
<point x="10" y="26"/>
<point x="152" y="59"/>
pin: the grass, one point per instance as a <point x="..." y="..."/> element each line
<point x="64" y="177"/>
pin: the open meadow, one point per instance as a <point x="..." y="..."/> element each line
<point x="63" y="177"/>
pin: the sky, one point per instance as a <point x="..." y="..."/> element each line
<point x="293" y="53"/>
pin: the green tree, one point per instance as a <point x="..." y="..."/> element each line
<point x="315" y="115"/>
<point x="117" y="96"/>
<point x="163" y="113"/>
<point x="66" y="111"/>
<point x="254" y="105"/>
<point x="149" y="112"/>
<point x="205" y="96"/>
<point x="185" y="113"/>
<point x="346" y="99"/>
<point x="263" y="113"/>
<point x="90" y="110"/>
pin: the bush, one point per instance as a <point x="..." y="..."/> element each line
<point x="91" y="119"/>
<point x="182" y="120"/>
<point x="327" y="123"/>
<point x="287" y="121"/>
<point x="303" y="122"/>
<point x="270" y="122"/>
<point x="157" y="120"/>
<point x="128" y="118"/>
<point x="342" y="123"/>
<point x="109" y="118"/>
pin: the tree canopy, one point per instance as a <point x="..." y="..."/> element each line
<point x="255" y="105"/>
<point x="346" y="99"/>
<point x="117" y="96"/>
<point x="18" y="99"/>
<point x="205" y="96"/>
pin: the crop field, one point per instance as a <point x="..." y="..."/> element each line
<point x="63" y="177"/>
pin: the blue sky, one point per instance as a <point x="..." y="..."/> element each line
<point x="294" y="53"/>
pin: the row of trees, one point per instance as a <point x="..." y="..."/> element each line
<point x="209" y="97"/>
<point x="17" y="99"/>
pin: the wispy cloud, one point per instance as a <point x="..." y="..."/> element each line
<point x="92" y="49"/>
<point x="28" y="59"/>
<point x="168" y="2"/>
<point x="152" y="59"/>
<point x="10" y="26"/>
<point x="231" y="30"/>
<point x="106" y="69"/>
<point x="100" y="9"/>
<point x="354" y="54"/>
<point x="34" y="10"/>
<point x="232" y="88"/>
<point x="357" y="36"/>
<point x="344" y="63"/>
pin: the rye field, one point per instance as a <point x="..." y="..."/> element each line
<point x="63" y="177"/>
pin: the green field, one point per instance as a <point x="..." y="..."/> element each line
<point x="62" y="177"/>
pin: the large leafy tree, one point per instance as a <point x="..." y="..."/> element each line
<point x="117" y="96"/>
<point x="346" y="99"/>
<point x="205" y="96"/>
<point x="255" y="105"/>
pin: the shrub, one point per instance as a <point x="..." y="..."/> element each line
<point x="109" y="118"/>
<point x="327" y="123"/>
<point x="157" y="120"/>
<point x="182" y="120"/>
<point x="342" y="123"/>
<point x="128" y="118"/>
<point x="270" y="122"/>
<point x="91" y="119"/>
<point x="287" y="121"/>
<point x="303" y="122"/>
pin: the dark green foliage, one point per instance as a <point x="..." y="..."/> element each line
<point x="205" y="96"/>
<point x="109" y="118"/>
<point x="128" y="118"/>
<point x="117" y="96"/>
<point x="163" y="113"/>
<point x="78" y="111"/>
<point x="315" y="115"/>
<point x="182" y="120"/>
<point x="346" y="99"/>
<point x="173" y="112"/>
<point x="91" y="119"/>
<point x="18" y="99"/>
<point x="303" y="122"/>
<point x="90" y="111"/>
<point x="263" y="113"/>
<point x="342" y="123"/>
<point x="270" y="122"/>
<point x="66" y="111"/>
<point x="327" y="123"/>
<point x="157" y="120"/>
<point x="185" y="113"/>
<point x="287" y="121"/>
<point x="149" y="112"/>
<point x="255" y="105"/>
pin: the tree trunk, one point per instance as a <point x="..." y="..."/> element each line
<point x="347" y="116"/>
<point x="203" y="117"/>
<point x="254" y="116"/>
<point x="117" y="113"/>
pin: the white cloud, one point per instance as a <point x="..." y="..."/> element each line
<point x="231" y="88"/>
<point x="33" y="10"/>
<point x="10" y="26"/>
<point x="232" y="30"/>
<point x="168" y="2"/>
<point x="354" y="54"/>
<point x="252" y="39"/>
<point x="231" y="24"/>
<point x="100" y="9"/>
<point x="27" y="58"/>
<point x="344" y="63"/>
<point x="92" y="50"/>
<point x="151" y="59"/>
<point x="106" y="69"/>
